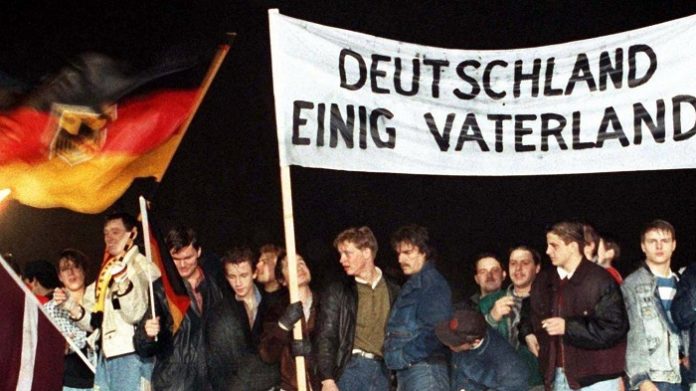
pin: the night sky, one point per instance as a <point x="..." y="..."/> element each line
<point x="224" y="179"/>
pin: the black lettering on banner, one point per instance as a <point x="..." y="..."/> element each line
<point x="615" y="73"/>
<point x="464" y="136"/>
<point x="547" y="131"/>
<point x="520" y="76"/>
<point x="321" y="110"/>
<point x="374" y="130"/>
<point x="577" y="144"/>
<point x="337" y="125"/>
<point x="499" y="118"/>
<point x="581" y="72"/>
<point x="437" y="68"/>
<point x="487" y="79"/>
<point x="521" y="131"/>
<point x="442" y="140"/>
<point x="633" y="51"/>
<point x="461" y="72"/>
<point x="362" y="67"/>
<point x="548" y="79"/>
<point x="297" y="121"/>
<point x="676" y="114"/>
<point x="603" y="134"/>
<point x="377" y="73"/>
<point x="414" y="79"/>
<point x="362" y="118"/>
<point x="641" y="115"/>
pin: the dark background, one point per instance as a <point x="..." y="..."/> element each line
<point x="224" y="179"/>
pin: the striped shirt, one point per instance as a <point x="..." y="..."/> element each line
<point x="666" y="290"/>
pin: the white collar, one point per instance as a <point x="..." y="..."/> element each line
<point x="374" y="283"/>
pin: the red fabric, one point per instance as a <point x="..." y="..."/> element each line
<point x="48" y="357"/>
<point x="615" y="273"/>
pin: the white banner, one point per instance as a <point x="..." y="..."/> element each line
<point x="351" y="101"/>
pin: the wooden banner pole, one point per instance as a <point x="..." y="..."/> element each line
<point x="289" y="224"/>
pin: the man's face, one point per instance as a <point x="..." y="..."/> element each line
<point x="411" y="258"/>
<point x="265" y="267"/>
<point x="304" y="277"/>
<point x="353" y="259"/>
<point x="489" y="275"/>
<point x="186" y="261"/>
<point x="241" y="278"/>
<point x="522" y="268"/>
<point x="116" y="236"/>
<point x="658" y="246"/>
<point x="70" y="275"/>
<point x="561" y="254"/>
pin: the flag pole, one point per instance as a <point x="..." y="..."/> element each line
<point x="215" y="64"/>
<point x="289" y="224"/>
<point x="148" y="251"/>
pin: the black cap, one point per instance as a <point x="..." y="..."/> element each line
<point x="465" y="326"/>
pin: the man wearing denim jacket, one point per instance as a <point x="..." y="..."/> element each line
<point x="411" y="347"/>
<point x="652" y="354"/>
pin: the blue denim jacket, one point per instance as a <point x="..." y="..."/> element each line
<point x="652" y="352"/>
<point x="495" y="365"/>
<point x="424" y="301"/>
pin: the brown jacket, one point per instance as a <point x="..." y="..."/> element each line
<point x="593" y="347"/>
<point x="275" y="346"/>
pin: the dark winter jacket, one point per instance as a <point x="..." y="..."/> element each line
<point x="233" y="362"/>
<point x="180" y="362"/>
<point x="339" y="306"/>
<point x="684" y="313"/>
<point x="594" y="343"/>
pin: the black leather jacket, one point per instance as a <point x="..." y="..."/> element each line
<point x="180" y="363"/>
<point x="334" y="342"/>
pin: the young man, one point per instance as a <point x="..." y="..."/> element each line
<point x="240" y="272"/>
<point x="578" y="317"/>
<point x="524" y="263"/>
<point x="411" y="347"/>
<point x="481" y="359"/>
<point x="180" y="363"/>
<point x="654" y="342"/>
<point x="116" y="303"/>
<point x="72" y="266"/>
<point x="265" y="268"/>
<point x="41" y="277"/>
<point x="272" y="291"/>
<point x="233" y="330"/>
<point x="353" y="318"/>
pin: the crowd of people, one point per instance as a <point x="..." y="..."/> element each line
<point x="574" y="325"/>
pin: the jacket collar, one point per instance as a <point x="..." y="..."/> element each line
<point x="579" y="274"/>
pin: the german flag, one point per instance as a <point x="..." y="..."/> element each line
<point x="78" y="142"/>
<point x="178" y="300"/>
